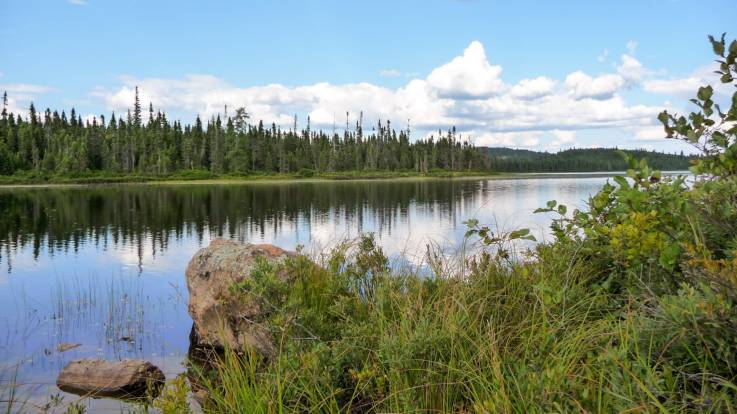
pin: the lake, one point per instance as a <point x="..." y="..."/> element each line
<point x="103" y="266"/>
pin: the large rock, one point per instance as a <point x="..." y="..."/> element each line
<point x="127" y="379"/>
<point x="223" y="316"/>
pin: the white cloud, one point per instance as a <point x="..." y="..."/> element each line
<point x="468" y="92"/>
<point x="390" y="73"/>
<point x="469" y="76"/>
<point x="17" y="108"/>
<point x="20" y="96"/>
<point x="681" y="86"/>
<point x="25" y="88"/>
<point x="630" y="70"/>
<point x="565" y="137"/>
<point x="78" y="2"/>
<point x="629" y="73"/>
<point x="650" y="133"/>
<point x="583" y="86"/>
<point x="524" y="139"/>
<point x="562" y="139"/>
<point x="686" y="87"/>
<point x="533" y="88"/>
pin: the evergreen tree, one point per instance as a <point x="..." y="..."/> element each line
<point x="52" y="143"/>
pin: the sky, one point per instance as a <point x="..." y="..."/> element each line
<point x="538" y="75"/>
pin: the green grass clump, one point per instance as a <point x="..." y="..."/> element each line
<point x="539" y="335"/>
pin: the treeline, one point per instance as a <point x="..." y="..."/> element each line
<point x="54" y="143"/>
<point x="579" y="160"/>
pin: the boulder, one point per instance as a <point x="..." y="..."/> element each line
<point x="127" y="379"/>
<point x="223" y="316"/>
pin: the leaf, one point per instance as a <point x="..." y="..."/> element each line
<point x="717" y="46"/>
<point x="621" y="181"/>
<point x="562" y="210"/>
<point x="517" y="234"/>
<point x="551" y="203"/>
<point x="471" y="223"/>
<point x="705" y="92"/>
<point x="692" y="136"/>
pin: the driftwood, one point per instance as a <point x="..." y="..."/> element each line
<point x="127" y="379"/>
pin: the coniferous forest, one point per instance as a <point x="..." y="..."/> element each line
<point x="580" y="160"/>
<point x="50" y="143"/>
<point x="63" y="144"/>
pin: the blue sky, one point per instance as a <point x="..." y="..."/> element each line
<point x="543" y="75"/>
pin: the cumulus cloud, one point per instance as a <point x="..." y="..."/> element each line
<point x="630" y="70"/>
<point x="673" y="86"/>
<point x="521" y="139"/>
<point x="469" y="76"/>
<point x="565" y="137"/>
<point x="467" y="92"/>
<point x="20" y="95"/>
<point x="629" y="74"/>
<point x="650" y="133"/>
<point x="581" y="85"/>
<point x="533" y="88"/>
<point x="686" y="87"/>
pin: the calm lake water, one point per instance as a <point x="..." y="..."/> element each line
<point x="103" y="266"/>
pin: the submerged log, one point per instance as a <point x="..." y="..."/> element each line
<point x="127" y="379"/>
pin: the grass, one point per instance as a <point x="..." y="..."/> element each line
<point x="543" y="333"/>
<point x="198" y="176"/>
<point x="119" y="304"/>
<point x="10" y="401"/>
<point x="571" y="326"/>
<point x="535" y="335"/>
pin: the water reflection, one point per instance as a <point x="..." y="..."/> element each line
<point x="103" y="266"/>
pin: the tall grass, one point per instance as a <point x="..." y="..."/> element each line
<point x="10" y="400"/>
<point x="540" y="335"/>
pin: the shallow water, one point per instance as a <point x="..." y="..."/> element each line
<point x="104" y="266"/>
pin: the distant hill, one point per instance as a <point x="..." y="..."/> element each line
<point x="578" y="160"/>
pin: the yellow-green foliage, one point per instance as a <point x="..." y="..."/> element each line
<point x="174" y="397"/>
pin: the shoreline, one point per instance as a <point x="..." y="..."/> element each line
<point x="292" y="179"/>
<point x="11" y="182"/>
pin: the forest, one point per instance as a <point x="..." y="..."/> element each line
<point x="61" y="144"/>
<point x="580" y="160"/>
<point x="52" y="144"/>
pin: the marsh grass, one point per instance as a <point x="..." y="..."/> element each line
<point x="535" y="335"/>
<point x="10" y="399"/>
<point x="117" y="303"/>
